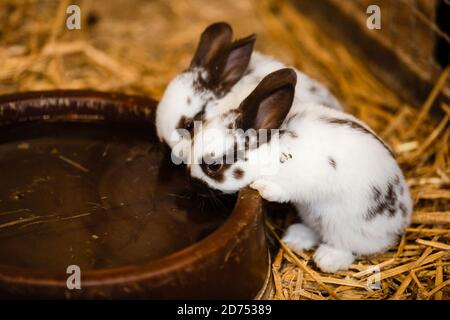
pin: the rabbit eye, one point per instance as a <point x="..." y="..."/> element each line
<point x="214" y="167"/>
<point x="189" y="124"/>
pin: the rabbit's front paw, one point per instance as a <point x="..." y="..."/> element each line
<point x="330" y="259"/>
<point x="299" y="237"/>
<point x="269" y="190"/>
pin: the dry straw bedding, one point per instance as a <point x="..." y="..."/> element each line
<point x="138" y="47"/>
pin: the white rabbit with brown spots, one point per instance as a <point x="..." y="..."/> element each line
<point x="344" y="180"/>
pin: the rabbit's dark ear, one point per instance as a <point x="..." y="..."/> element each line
<point x="215" y="39"/>
<point x="236" y="62"/>
<point x="268" y="105"/>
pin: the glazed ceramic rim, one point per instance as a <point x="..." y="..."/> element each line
<point x="16" y="108"/>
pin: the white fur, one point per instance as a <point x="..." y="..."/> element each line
<point x="333" y="202"/>
<point x="300" y="237"/>
<point x="173" y="105"/>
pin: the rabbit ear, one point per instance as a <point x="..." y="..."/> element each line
<point x="268" y="105"/>
<point x="215" y="39"/>
<point x="236" y="62"/>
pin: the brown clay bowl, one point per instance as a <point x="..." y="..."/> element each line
<point x="83" y="181"/>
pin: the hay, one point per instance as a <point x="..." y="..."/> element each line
<point x="138" y="47"/>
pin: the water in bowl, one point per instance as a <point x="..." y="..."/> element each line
<point x="95" y="196"/>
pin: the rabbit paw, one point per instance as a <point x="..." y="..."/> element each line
<point x="299" y="237"/>
<point x="269" y="191"/>
<point x="330" y="259"/>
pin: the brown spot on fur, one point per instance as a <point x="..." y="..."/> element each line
<point x="189" y="100"/>
<point x="238" y="173"/>
<point x="332" y="162"/>
<point x="356" y="126"/>
<point x="181" y="123"/>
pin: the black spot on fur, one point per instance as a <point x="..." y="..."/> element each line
<point x="285" y="157"/>
<point x="188" y="100"/>
<point x="376" y="193"/>
<point x="332" y="162"/>
<point x="401" y="190"/>
<point x="376" y="210"/>
<point x="391" y="199"/>
<point x="356" y="126"/>
<point x="396" y="180"/>
<point x="384" y="202"/>
<point x="238" y="173"/>
<point x="313" y="89"/>
<point x="402" y="208"/>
